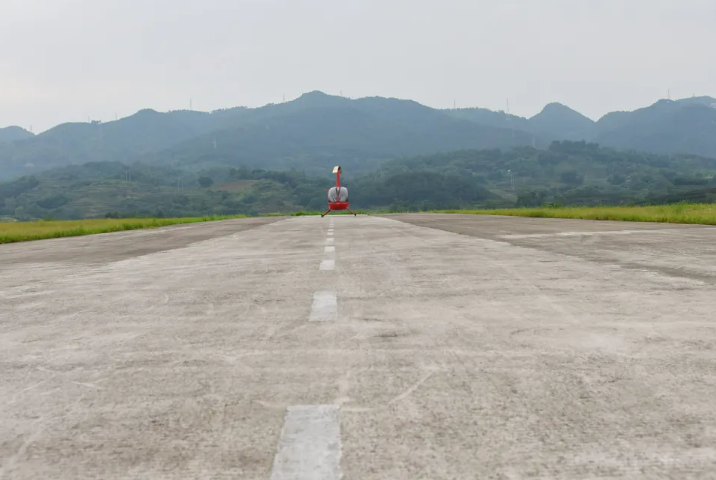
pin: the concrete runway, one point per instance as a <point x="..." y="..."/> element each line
<point x="361" y="348"/>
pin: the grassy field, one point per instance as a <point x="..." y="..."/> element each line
<point x="11" y="232"/>
<point x="704" y="214"/>
<point x="25" y="231"/>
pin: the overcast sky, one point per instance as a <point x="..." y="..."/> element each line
<point x="67" y="60"/>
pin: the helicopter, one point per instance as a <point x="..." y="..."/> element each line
<point x="338" y="196"/>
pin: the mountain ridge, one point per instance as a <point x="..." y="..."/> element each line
<point x="13" y="133"/>
<point x="316" y="128"/>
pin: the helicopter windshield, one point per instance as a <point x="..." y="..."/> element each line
<point x="338" y="196"/>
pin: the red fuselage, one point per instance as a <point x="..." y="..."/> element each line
<point x="338" y="205"/>
<point x="337" y="196"/>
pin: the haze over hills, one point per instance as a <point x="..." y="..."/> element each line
<point x="554" y="122"/>
<point x="567" y="173"/>
<point x="11" y="134"/>
<point x="318" y="129"/>
<point x="686" y="126"/>
<point x="559" y="122"/>
<point x="307" y="133"/>
<point x="681" y="126"/>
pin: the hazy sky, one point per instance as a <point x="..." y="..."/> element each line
<point x="67" y="60"/>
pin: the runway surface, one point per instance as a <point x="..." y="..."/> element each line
<point x="398" y="347"/>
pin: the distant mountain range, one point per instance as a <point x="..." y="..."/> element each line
<point x="316" y="130"/>
<point x="686" y="126"/>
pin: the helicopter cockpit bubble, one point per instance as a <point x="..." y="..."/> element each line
<point x="338" y="194"/>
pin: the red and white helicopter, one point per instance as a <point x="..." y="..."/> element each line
<point x="337" y="196"/>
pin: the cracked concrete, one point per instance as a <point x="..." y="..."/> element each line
<point x="450" y="356"/>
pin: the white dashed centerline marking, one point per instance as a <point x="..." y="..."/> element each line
<point x="330" y="250"/>
<point x="327" y="264"/>
<point x="324" y="308"/>
<point x="310" y="444"/>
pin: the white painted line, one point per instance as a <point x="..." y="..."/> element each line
<point x="329" y="241"/>
<point x="329" y="249"/>
<point x="328" y="264"/>
<point x="310" y="444"/>
<point x="330" y="234"/>
<point x="324" y="308"/>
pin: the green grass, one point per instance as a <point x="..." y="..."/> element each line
<point x="11" y="232"/>
<point x="26" y="231"/>
<point x="704" y="214"/>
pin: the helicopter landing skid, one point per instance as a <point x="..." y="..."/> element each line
<point x="330" y="210"/>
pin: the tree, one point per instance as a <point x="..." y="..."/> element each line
<point x="53" y="201"/>
<point x="530" y="198"/>
<point x="616" y="179"/>
<point x="205" y="182"/>
<point x="572" y="178"/>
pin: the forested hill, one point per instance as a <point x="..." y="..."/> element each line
<point x="11" y="134"/>
<point x="568" y="173"/>
<point x="686" y="126"/>
<point x="307" y="133"/>
<point x="683" y="126"/>
<point x="554" y="122"/>
<point x="318" y="129"/>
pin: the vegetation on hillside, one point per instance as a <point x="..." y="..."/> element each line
<point x="12" y="134"/>
<point x="566" y="173"/>
<point x="704" y="214"/>
<point x="669" y="127"/>
<point x="306" y="134"/>
<point x="316" y="130"/>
